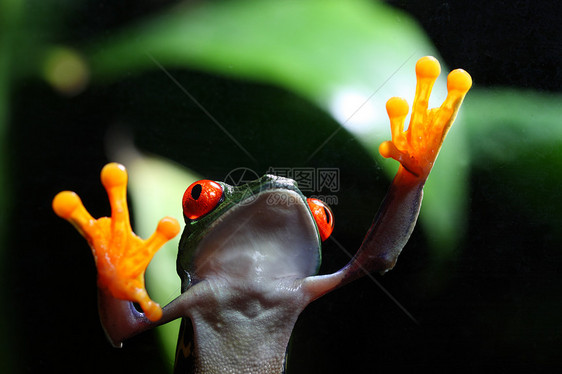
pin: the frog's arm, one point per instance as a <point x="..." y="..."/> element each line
<point x="416" y="149"/>
<point x="121" y="258"/>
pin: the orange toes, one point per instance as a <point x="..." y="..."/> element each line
<point x="417" y="148"/>
<point x="121" y="256"/>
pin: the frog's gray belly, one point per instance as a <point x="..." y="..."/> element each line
<point x="244" y="329"/>
<point x="248" y="270"/>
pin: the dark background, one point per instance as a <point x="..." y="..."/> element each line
<point x="499" y="308"/>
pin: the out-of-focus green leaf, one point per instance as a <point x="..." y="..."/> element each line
<point x="156" y="186"/>
<point x="516" y="137"/>
<point x="10" y="23"/>
<point x="311" y="46"/>
<point x="348" y="57"/>
<point x="502" y="124"/>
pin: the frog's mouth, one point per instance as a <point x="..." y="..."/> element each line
<point x="270" y="235"/>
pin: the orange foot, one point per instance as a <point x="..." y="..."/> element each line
<point x="417" y="148"/>
<point x="121" y="256"/>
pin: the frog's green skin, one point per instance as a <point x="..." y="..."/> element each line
<point x="247" y="271"/>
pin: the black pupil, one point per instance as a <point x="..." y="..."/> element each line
<point x="327" y="215"/>
<point x="196" y="191"/>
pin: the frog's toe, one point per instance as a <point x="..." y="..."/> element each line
<point x="113" y="175"/>
<point x="68" y="206"/>
<point x="152" y="310"/>
<point x="459" y="80"/>
<point x="65" y="204"/>
<point x="168" y="228"/>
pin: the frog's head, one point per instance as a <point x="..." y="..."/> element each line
<point x="266" y="229"/>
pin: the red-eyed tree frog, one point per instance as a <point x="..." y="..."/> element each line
<point x="248" y="256"/>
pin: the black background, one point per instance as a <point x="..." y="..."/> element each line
<point x="499" y="309"/>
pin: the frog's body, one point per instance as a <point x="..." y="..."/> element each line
<point x="248" y="255"/>
<point x="245" y="266"/>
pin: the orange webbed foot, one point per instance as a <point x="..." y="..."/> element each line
<point x="417" y="148"/>
<point x="121" y="257"/>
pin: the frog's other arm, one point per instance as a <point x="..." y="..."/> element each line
<point x="416" y="149"/>
<point x="121" y="258"/>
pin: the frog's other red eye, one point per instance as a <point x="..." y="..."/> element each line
<point x="200" y="198"/>
<point x="323" y="217"/>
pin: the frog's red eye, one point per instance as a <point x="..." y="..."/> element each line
<point x="323" y="217"/>
<point x="200" y="198"/>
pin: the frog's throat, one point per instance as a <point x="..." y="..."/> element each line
<point x="270" y="237"/>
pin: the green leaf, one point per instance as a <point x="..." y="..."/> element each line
<point x="515" y="138"/>
<point x="348" y="57"/>
<point x="11" y="12"/>
<point x="502" y="124"/>
<point x="156" y="187"/>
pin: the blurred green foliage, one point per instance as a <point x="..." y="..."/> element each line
<point x="10" y="17"/>
<point x="178" y="76"/>
<point x="293" y="53"/>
